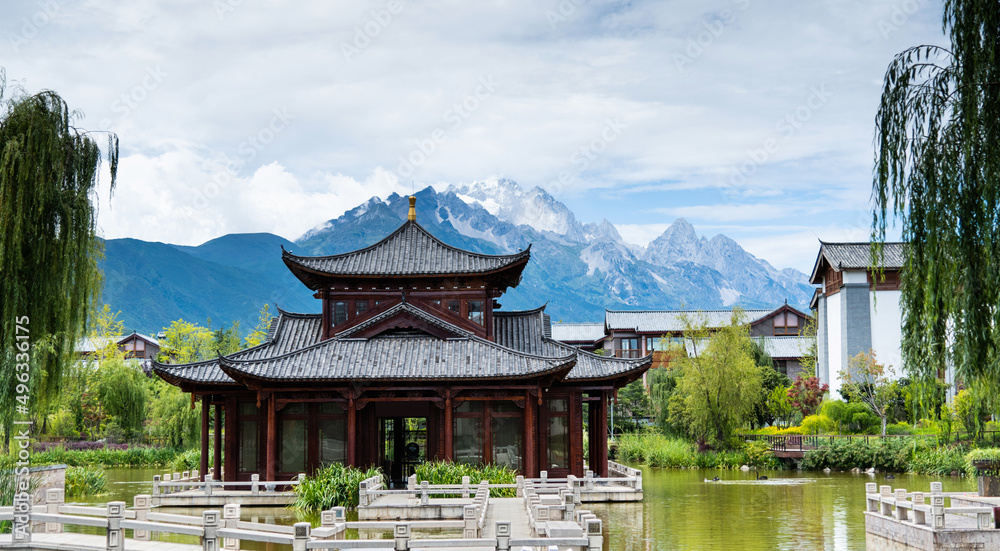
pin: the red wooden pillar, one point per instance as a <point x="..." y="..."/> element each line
<point x="230" y="442"/>
<point x="272" y="438"/>
<point x="352" y="429"/>
<point x="576" y="433"/>
<point x="449" y="428"/>
<point x="203" y="463"/>
<point x="600" y="466"/>
<point x="217" y="445"/>
<point x="530" y="437"/>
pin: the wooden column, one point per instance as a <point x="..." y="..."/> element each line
<point x="231" y="443"/>
<point x="326" y="317"/>
<point x="217" y="444"/>
<point x="530" y="437"/>
<point x="271" y="452"/>
<point x="352" y="424"/>
<point x="600" y="467"/>
<point x="576" y="433"/>
<point x="203" y="463"/>
<point x="449" y="428"/>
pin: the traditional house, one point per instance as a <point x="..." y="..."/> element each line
<point x="858" y="308"/>
<point x="408" y="361"/>
<point x="135" y="346"/>
<point x="636" y="333"/>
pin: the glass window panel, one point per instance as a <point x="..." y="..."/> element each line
<point x="505" y="406"/>
<point x="779" y="320"/>
<point x="468" y="440"/>
<point x="455" y="306"/>
<point x="558" y="449"/>
<point x="507" y="432"/>
<point x="333" y="441"/>
<point x="469" y="407"/>
<point x="248" y="446"/>
<point x="294" y="409"/>
<point x="436" y="301"/>
<point x="248" y="408"/>
<point x="792" y="320"/>
<point x="140" y="345"/>
<point x="292" y="435"/>
<point x="360" y="307"/>
<point x="630" y="344"/>
<point x="330" y="408"/>
<point x="558" y="405"/>
<point x="476" y="311"/>
<point x="339" y="312"/>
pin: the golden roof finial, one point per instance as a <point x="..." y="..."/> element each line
<point x="412" y="216"/>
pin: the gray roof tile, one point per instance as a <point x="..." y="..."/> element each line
<point x="669" y="321"/>
<point x="578" y="332"/>
<point x="856" y="256"/>
<point x="410" y="251"/>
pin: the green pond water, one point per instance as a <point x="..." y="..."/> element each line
<point x="792" y="510"/>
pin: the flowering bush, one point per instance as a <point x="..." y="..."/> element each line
<point x="806" y="394"/>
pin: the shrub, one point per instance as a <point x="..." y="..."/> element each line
<point x="332" y="486"/>
<point x="443" y="472"/>
<point x="110" y="456"/>
<point x="187" y="461"/>
<point x="818" y="424"/>
<point x="938" y="461"/>
<point x="884" y="454"/>
<point x="85" y="481"/>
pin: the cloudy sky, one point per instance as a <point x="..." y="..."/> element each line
<point x="751" y="118"/>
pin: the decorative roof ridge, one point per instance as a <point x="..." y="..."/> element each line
<point x="297" y="314"/>
<point x="406" y="225"/>
<point x="590" y="354"/>
<point x="861" y="242"/>
<point x="520" y="312"/>
<point x="230" y="360"/>
<point x="401" y="307"/>
<point x="606" y="310"/>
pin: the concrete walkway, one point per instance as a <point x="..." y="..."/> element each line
<point x="507" y="508"/>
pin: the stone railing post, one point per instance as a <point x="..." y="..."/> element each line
<point x="167" y="489"/>
<point x="638" y="480"/>
<point x="363" y="494"/>
<point x="54" y="497"/>
<point x="210" y="520"/>
<point x="470" y="515"/>
<point x="900" y="511"/>
<point x="301" y="536"/>
<point x="116" y="536"/>
<point x="503" y="535"/>
<point x="885" y="492"/>
<point x="589" y="480"/>
<point x="425" y="497"/>
<point x="141" y="504"/>
<point x="919" y="517"/>
<point x="411" y="482"/>
<point x="185" y="477"/>
<point x="156" y="485"/>
<point x="465" y="487"/>
<point x="208" y="484"/>
<point x="871" y="488"/>
<point x="544" y="476"/>
<point x="937" y="509"/>
<point x="595" y="536"/>
<point x="519" y="481"/>
<point x="230" y="520"/>
<point x="569" y="503"/>
<point x="254" y="484"/>
<point x="401" y="533"/>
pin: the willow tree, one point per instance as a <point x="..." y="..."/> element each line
<point x="48" y="259"/>
<point x="937" y="171"/>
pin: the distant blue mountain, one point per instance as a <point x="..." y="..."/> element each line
<point x="578" y="269"/>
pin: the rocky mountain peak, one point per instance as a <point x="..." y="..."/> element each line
<point x="508" y="201"/>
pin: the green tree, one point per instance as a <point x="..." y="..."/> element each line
<point x="122" y="388"/>
<point x="633" y="404"/>
<point x="937" y="171"/>
<point x="259" y="332"/>
<point x="186" y="342"/>
<point x="720" y="385"/>
<point x="49" y="172"/>
<point x="780" y="406"/>
<point x="867" y="381"/>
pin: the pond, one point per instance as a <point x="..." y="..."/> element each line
<point x="791" y="510"/>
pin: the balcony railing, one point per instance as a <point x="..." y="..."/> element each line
<point x="628" y="354"/>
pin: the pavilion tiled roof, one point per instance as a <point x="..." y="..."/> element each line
<point x="525" y="331"/>
<point x="779" y="348"/>
<point x="856" y="256"/>
<point x="669" y="321"/>
<point x="288" y="331"/>
<point x="399" y="358"/>
<point x="397" y="309"/>
<point x="578" y="332"/>
<point x="409" y="252"/>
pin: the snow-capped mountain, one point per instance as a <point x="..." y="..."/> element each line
<point x="580" y="269"/>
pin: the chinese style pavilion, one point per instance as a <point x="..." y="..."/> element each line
<point x="407" y="362"/>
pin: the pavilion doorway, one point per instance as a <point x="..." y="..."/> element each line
<point x="404" y="446"/>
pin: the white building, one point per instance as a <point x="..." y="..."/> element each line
<point x="857" y="309"/>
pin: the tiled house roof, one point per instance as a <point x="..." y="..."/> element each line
<point x="670" y="321"/>
<point x="856" y="256"/>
